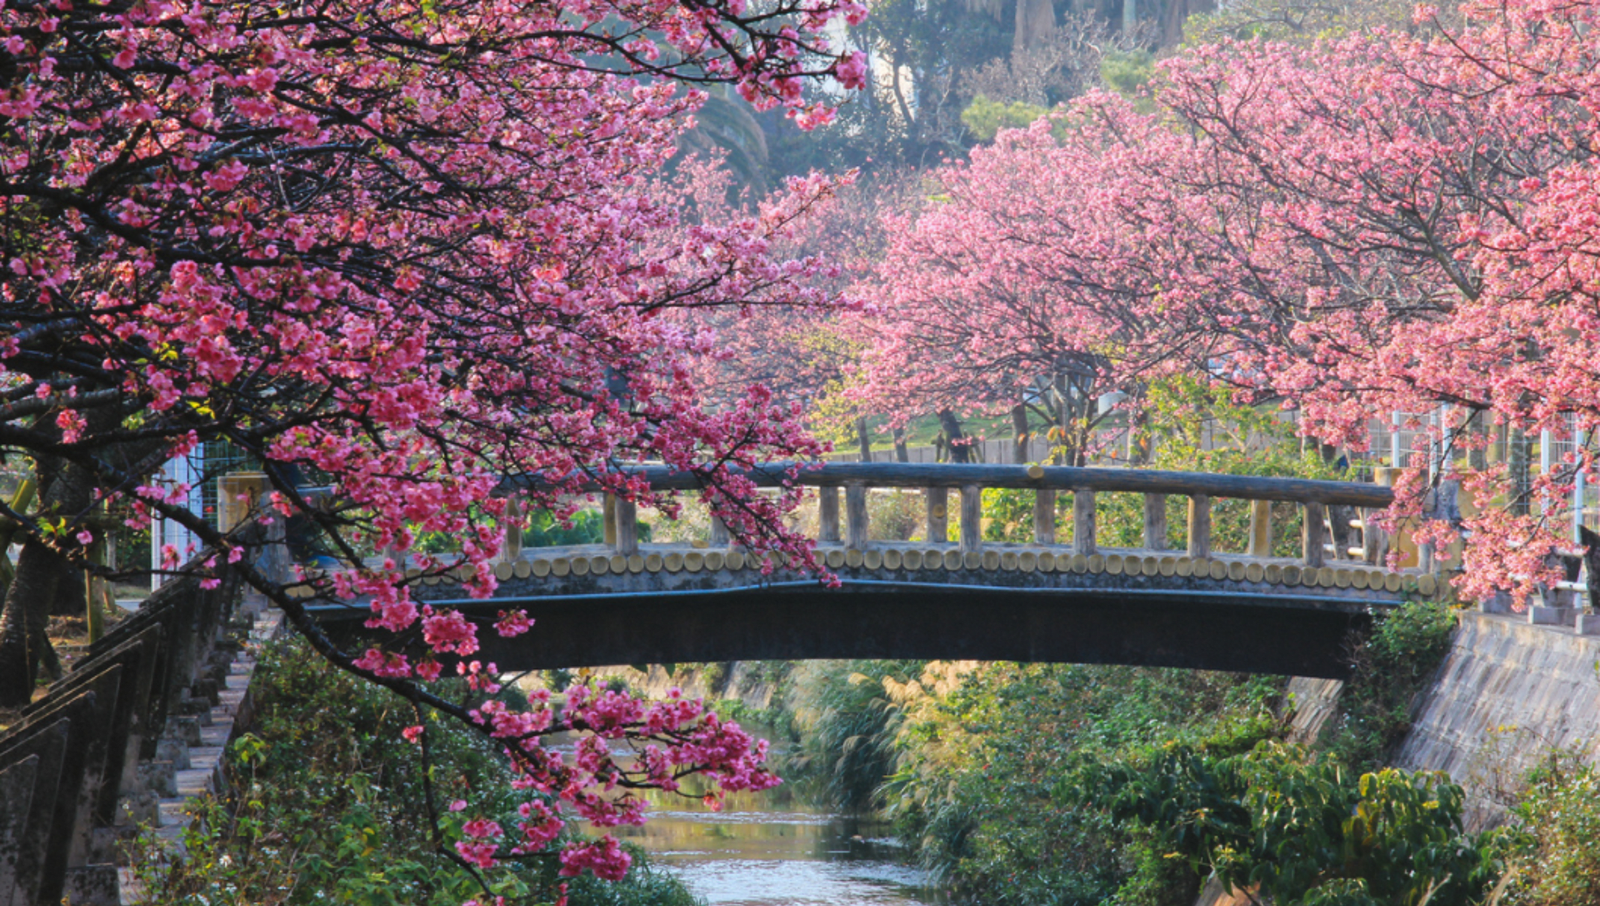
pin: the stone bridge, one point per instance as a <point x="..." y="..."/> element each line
<point x="1052" y="599"/>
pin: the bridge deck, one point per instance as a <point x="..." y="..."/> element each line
<point x="672" y="603"/>
<point x="627" y="602"/>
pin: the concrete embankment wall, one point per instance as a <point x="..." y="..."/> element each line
<point x="1507" y="695"/>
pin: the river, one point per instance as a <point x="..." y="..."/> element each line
<point x="760" y="850"/>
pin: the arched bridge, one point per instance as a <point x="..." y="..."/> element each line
<point x="1052" y="599"/>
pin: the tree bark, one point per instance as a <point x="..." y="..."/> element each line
<point x="901" y="454"/>
<point x="1035" y="23"/>
<point x="24" y="646"/>
<point x="863" y="439"/>
<point x="959" y="450"/>
<point x="66" y="491"/>
<point x="1019" y="439"/>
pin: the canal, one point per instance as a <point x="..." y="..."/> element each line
<point x="763" y="850"/>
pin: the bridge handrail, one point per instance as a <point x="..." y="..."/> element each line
<point x="1320" y="499"/>
<point x="1022" y="477"/>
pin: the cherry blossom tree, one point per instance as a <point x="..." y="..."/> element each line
<point x="402" y="247"/>
<point x="1388" y="222"/>
<point x="1010" y="290"/>
<point x="1375" y="226"/>
<point x="802" y="354"/>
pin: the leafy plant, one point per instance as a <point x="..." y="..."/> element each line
<point x="978" y="792"/>
<point x="545" y="529"/>
<point x="1302" y="831"/>
<point x="983" y="117"/>
<point x="325" y="802"/>
<point x="1560" y="815"/>
<point x="1391" y="666"/>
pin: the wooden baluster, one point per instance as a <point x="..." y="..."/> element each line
<point x="1311" y="536"/>
<point x="627" y="527"/>
<point x="1199" y="526"/>
<point x="855" y="516"/>
<point x="1044" y="509"/>
<point x="1374" y="540"/>
<point x="720" y="536"/>
<point x="1155" y="522"/>
<point x="512" y="550"/>
<point x="1044" y="516"/>
<point x="971" y="518"/>
<point x="1083" y="528"/>
<point x="938" y="514"/>
<point x="828" y="515"/>
<point x="1260" y="528"/>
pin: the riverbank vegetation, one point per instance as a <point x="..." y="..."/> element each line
<point x="327" y="802"/>
<point x="1034" y="784"/>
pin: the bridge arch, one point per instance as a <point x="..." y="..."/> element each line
<point x="1072" y="601"/>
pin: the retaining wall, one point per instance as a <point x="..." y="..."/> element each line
<point x="1507" y="694"/>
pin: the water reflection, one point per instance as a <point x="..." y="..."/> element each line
<point x="756" y="852"/>
<point x="763" y="849"/>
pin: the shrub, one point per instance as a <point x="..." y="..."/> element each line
<point x="325" y="802"/>
<point x="1390" y="667"/>
<point x="1560" y="812"/>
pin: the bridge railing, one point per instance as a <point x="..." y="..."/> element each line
<point x="848" y="525"/>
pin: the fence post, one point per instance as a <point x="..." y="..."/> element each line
<point x="1374" y="540"/>
<point x="1260" y="528"/>
<point x="627" y="526"/>
<point x="1155" y="522"/>
<point x="828" y="515"/>
<point x="512" y="550"/>
<point x="855" y="516"/>
<point x="1311" y="535"/>
<point x="938" y="500"/>
<point x="971" y="518"/>
<point x="1083" y="527"/>
<point x="1199" y="526"/>
<point x="1044" y="516"/>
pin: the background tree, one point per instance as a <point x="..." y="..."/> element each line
<point x="1008" y="292"/>
<point x="1396" y="248"/>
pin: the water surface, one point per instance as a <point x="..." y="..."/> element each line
<point x="759" y="851"/>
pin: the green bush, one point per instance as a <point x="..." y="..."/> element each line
<point x="545" y="530"/>
<point x="1390" y="667"/>
<point x="1303" y="832"/>
<point x="984" y="118"/>
<point x="847" y="727"/>
<point x="978" y="791"/>
<point x="326" y="803"/>
<point x="1560" y="815"/>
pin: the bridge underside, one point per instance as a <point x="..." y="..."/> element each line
<point x="1231" y="630"/>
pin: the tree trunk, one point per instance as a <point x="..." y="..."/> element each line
<point x="1019" y="440"/>
<point x="901" y="454"/>
<point x="71" y="599"/>
<point x="1070" y="439"/>
<point x="65" y="491"/>
<point x="864" y="439"/>
<point x="1035" y="23"/>
<point x="960" y="451"/>
<point x="24" y="647"/>
<point x="1139" y="451"/>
